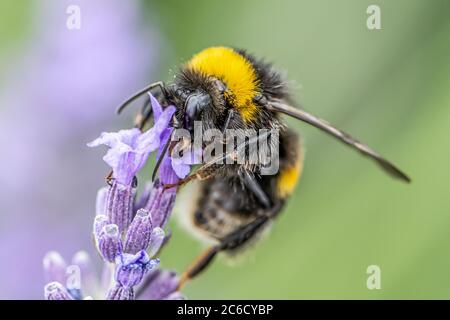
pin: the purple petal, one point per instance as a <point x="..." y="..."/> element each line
<point x="167" y="173"/>
<point x="156" y="107"/>
<point x="165" y="135"/>
<point x="125" y="163"/>
<point x="113" y="139"/>
<point x="151" y="139"/>
<point x="181" y="165"/>
<point x="129" y="150"/>
<point x="180" y="168"/>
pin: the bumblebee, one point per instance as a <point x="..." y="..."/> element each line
<point x="228" y="88"/>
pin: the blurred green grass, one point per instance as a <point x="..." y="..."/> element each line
<point x="390" y="88"/>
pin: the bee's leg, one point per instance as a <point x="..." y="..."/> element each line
<point x="202" y="173"/>
<point x="144" y="114"/>
<point x="232" y="241"/>
<point x="148" y="88"/>
<point x="230" y="116"/>
<point x="254" y="186"/>
<point x="198" y="265"/>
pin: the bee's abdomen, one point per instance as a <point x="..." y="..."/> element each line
<point x="220" y="209"/>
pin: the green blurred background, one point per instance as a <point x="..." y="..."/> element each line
<point x="390" y="88"/>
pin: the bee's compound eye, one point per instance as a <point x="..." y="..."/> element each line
<point x="195" y="104"/>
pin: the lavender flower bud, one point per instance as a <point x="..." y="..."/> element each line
<point x="100" y="203"/>
<point x="119" y="205"/>
<point x="130" y="269"/>
<point x="160" y="204"/>
<point x="161" y="284"/>
<point x="120" y="293"/>
<point x="161" y="213"/>
<point x="56" y="291"/>
<point x="109" y="243"/>
<point x="54" y="267"/>
<point x="139" y="232"/>
<point x="155" y="195"/>
<point x="99" y="222"/>
<point x="156" y="240"/>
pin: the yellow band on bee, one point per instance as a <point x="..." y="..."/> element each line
<point x="235" y="71"/>
<point x="289" y="177"/>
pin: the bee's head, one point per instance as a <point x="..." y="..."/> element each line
<point x="198" y="98"/>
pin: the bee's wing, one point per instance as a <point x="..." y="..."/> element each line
<point x="280" y="106"/>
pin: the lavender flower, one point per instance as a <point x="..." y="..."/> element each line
<point x="130" y="269"/>
<point x="132" y="258"/>
<point x="129" y="149"/>
<point x="133" y="262"/>
<point x="128" y="241"/>
<point x="171" y="170"/>
<point x="142" y="240"/>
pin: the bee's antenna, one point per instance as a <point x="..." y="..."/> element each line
<point x="159" y="84"/>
